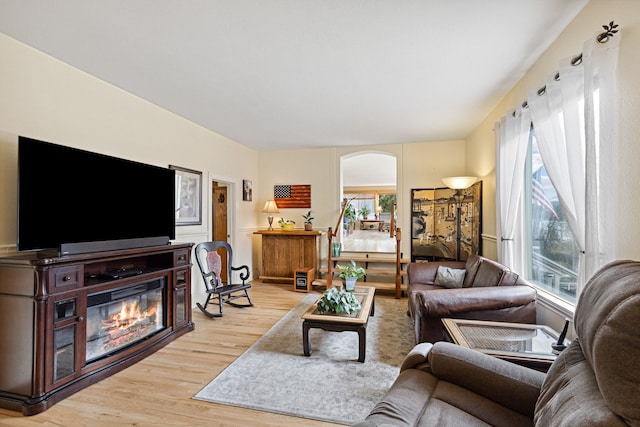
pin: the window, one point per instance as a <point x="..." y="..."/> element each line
<point x="375" y="202"/>
<point x="551" y="252"/>
<point x="361" y="201"/>
<point x="575" y="122"/>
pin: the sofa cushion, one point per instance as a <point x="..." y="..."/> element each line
<point x="489" y="274"/>
<point x="449" y="277"/>
<point x="509" y="278"/>
<point x="606" y="322"/>
<point x="425" y="272"/>
<point x="487" y="376"/>
<point x="570" y="394"/>
<point x="418" y="398"/>
<point x="471" y="268"/>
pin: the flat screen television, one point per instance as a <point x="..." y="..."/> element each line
<point x="76" y="201"/>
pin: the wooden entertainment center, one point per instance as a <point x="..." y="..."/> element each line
<point x="44" y="317"/>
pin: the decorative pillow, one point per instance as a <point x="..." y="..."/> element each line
<point x="449" y="277"/>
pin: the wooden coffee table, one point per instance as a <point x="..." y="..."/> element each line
<point x="521" y="343"/>
<point x="340" y="323"/>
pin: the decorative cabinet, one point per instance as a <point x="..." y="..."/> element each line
<point x="67" y="322"/>
<point x="284" y="252"/>
<point x="445" y="223"/>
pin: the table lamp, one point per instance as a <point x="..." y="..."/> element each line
<point x="270" y="208"/>
<point x="458" y="183"/>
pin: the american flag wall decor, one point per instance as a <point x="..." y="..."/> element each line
<point x="292" y="196"/>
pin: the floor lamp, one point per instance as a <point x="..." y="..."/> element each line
<point x="458" y="183"/>
<point x="270" y="208"/>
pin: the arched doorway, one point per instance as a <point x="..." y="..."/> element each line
<point x="369" y="181"/>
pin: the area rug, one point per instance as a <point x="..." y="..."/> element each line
<point x="331" y="385"/>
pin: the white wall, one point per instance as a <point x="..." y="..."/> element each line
<point x="46" y="99"/>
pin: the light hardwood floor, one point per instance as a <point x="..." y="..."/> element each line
<point x="157" y="391"/>
<point x="369" y="241"/>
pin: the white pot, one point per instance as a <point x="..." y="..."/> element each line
<point x="350" y="283"/>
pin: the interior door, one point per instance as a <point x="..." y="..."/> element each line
<point x="219" y="226"/>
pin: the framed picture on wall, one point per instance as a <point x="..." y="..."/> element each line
<point x="188" y="196"/>
<point x="247" y="190"/>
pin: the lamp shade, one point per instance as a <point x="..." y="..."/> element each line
<point x="270" y="207"/>
<point x="459" y="182"/>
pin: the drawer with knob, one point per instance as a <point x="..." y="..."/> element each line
<point x="65" y="278"/>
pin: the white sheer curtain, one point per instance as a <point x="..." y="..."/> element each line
<point x="558" y="119"/>
<point x="512" y="136"/>
<point x="574" y="126"/>
<point x="603" y="147"/>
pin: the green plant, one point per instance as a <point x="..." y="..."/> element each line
<point x="287" y="221"/>
<point x="350" y="214"/>
<point x="386" y="201"/>
<point x="338" y="301"/>
<point x="308" y="219"/>
<point x="351" y="270"/>
<point x="365" y="211"/>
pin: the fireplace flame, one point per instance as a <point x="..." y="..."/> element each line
<point x="123" y="322"/>
<point x="130" y="314"/>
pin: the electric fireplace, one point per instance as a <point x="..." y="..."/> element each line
<point x="73" y="320"/>
<point x="118" y="318"/>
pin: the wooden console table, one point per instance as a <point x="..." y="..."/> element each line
<point x="283" y="252"/>
<point x="370" y="224"/>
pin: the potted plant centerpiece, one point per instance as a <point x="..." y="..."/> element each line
<point x="308" y="221"/>
<point x="365" y="212"/>
<point x="286" y="225"/>
<point x="351" y="273"/>
<point x="338" y="301"/>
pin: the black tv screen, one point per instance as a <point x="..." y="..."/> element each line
<point x="71" y="196"/>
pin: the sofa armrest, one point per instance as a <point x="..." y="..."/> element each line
<point x="417" y="357"/>
<point x="446" y="302"/>
<point x="513" y="386"/>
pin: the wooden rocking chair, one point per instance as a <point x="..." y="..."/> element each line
<point x="210" y="264"/>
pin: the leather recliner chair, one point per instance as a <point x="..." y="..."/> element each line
<point x="593" y="382"/>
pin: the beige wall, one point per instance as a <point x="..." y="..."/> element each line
<point x="481" y="147"/>
<point x="46" y="99"/>
<point x="424" y="164"/>
<point x="419" y="165"/>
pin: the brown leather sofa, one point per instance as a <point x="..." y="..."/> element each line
<point x="593" y="382"/>
<point x="489" y="291"/>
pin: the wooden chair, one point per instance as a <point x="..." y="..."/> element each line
<point x="210" y="264"/>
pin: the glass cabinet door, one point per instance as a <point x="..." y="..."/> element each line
<point x="65" y="340"/>
<point x="64" y="352"/>
<point x="181" y="298"/>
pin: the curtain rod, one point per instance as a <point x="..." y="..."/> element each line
<point x="609" y="31"/>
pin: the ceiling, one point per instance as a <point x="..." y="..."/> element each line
<point x="369" y="170"/>
<point x="287" y="74"/>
